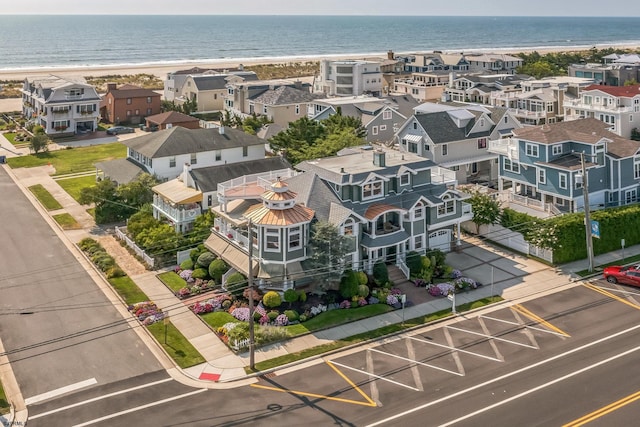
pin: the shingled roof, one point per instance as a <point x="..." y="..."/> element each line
<point x="284" y="95"/>
<point x="179" y="140"/>
<point x="208" y="178"/>
<point x="132" y="91"/>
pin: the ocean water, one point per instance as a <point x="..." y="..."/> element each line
<point x="28" y="42"/>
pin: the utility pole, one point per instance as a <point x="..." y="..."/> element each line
<point x="587" y="214"/>
<point x="252" y="363"/>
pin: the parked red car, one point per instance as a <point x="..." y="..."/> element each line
<point x="625" y="275"/>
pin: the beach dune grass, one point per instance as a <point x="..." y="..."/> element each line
<point x="66" y="221"/>
<point x="45" y="198"/>
<point x="74" y="186"/>
<point x="80" y="159"/>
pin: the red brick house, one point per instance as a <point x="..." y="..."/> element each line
<point x="170" y="119"/>
<point x="128" y="104"/>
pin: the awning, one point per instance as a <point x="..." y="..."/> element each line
<point x="278" y="272"/>
<point x="412" y="138"/>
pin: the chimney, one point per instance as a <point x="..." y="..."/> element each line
<point x="390" y="54"/>
<point x="297" y="84"/>
<point x="379" y="159"/>
<point x="240" y="67"/>
<point x="342" y="170"/>
<point x="111" y="86"/>
<point x="221" y="130"/>
<point x="184" y="177"/>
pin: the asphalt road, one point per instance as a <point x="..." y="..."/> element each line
<point x="548" y="362"/>
<point x="57" y="326"/>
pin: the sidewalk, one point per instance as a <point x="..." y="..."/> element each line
<point x="514" y="277"/>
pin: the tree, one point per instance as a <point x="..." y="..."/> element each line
<point x="337" y="123"/>
<point x="189" y="106"/>
<point x="39" y="142"/>
<point x="253" y="123"/>
<point x="539" y="69"/>
<point x="486" y="209"/>
<point x="333" y="143"/>
<point x="328" y="249"/>
<point x="299" y="136"/>
<point x="103" y="195"/>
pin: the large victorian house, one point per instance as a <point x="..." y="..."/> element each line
<point x="61" y="105"/>
<point x="388" y="202"/>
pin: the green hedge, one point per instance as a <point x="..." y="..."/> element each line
<point x="570" y="234"/>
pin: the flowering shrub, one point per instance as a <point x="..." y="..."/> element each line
<point x="281" y="320"/>
<point x="465" y="282"/>
<point x="373" y="300"/>
<point x="264" y="320"/>
<point x="209" y="305"/>
<point x="317" y="309"/>
<point x="241" y="313"/>
<point x="419" y="283"/>
<point x="392" y="299"/>
<point x="186" y="275"/>
<point x="446" y="288"/>
<point x="395" y="291"/>
<point x="456" y="274"/>
<point x="147" y="312"/>
<point x="362" y="302"/>
<point x="194" y="287"/>
<point x="345" y="304"/>
<point x="434" y="291"/>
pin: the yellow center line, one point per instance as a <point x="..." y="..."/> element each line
<point x="610" y="295"/>
<point x="604" y="410"/>
<point x="369" y="401"/>
<point x="524" y="311"/>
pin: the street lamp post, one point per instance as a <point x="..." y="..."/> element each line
<point x="587" y="213"/>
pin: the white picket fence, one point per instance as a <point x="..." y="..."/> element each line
<point x="511" y="239"/>
<point x="121" y="234"/>
<point x="240" y="344"/>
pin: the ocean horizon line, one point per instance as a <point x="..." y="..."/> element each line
<point x="328" y="16"/>
<point x="254" y="60"/>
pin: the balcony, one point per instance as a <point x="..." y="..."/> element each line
<point x="177" y="214"/>
<point x="441" y="175"/>
<point x="597" y="107"/>
<point x="251" y="186"/>
<point x="506" y="147"/>
<point x="234" y="235"/>
<point x="521" y="112"/>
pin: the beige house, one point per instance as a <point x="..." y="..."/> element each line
<point x="209" y="90"/>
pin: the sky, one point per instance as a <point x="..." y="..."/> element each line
<point x="327" y="7"/>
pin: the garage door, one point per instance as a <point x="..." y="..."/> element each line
<point x="440" y="239"/>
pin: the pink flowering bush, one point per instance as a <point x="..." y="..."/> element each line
<point x="362" y="302"/>
<point x="434" y="291"/>
<point x="345" y="304"/>
<point x="446" y="288"/>
<point x="395" y="291"/>
<point x="281" y="320"/>
<point x="241" y="313"/>
<point x="147" y="312"/>
<point x="186" y="275"/>
<point x="392" y="299"/>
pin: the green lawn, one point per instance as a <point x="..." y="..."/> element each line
<point x="355" y="339"/>
<point x="217" y="319"/>
<point x="172" y="280"/>
<point x="73" y="186"/>
<point x="338" y="317"/>
<point x="11" y="137"/>
<point x="47" y="200"/>
<point x="66" y="221"/>
<point x="4" y="405"/>
<point x="128" y="290"/>
<point x="177" y="346"/>
<point x="75" y="160"/>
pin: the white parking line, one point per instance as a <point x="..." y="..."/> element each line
<point x="492" y="337"/>
<point x="57" y="392"/>
<point x="138" y="408"/>
<point x="455" y="349"/>
<point x="374" y="375"/>
<point x="95" y="399"/>
<point x="523" y="325"/>
<point x="416" y="362"/>
<point x="505" y="376"/>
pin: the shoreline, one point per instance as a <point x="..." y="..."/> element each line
<point x="160" y="69"/>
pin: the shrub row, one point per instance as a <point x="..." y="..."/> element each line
<point x="101" y="258"/>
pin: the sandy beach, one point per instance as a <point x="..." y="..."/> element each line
<point x="161" y="70"/>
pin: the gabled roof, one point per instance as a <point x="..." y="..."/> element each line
<point x="587" y="131"/>
<point x="284" y="95"/>
<point x="314" y="193"/>
<point x="617" y="91"/>
<point x="208" y="178"/>
<point x="132" y="91"/>
<point x="122" y="171"/>
<point x="171" y="117"/>
<point x="179" y="140"/>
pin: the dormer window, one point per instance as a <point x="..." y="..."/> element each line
<point x="372" y="189"/>
<point x="404" y="179"/>
<point x="418" y="211"/>
<point x="347" y="229"/>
